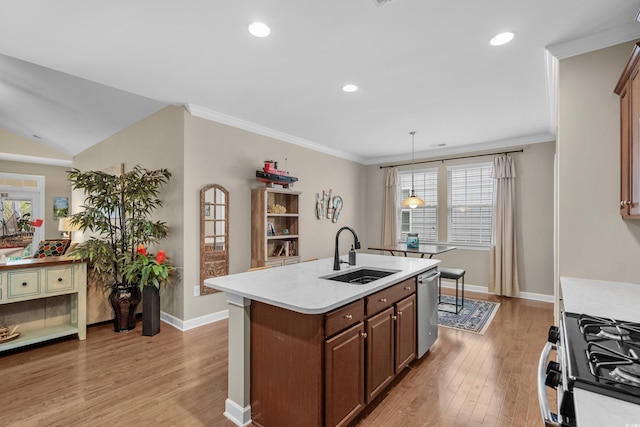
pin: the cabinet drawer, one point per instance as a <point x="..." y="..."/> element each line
<point x="343" y="317"/>
<point x="59" y="279"/>
<point x="23" y="284"/>
<point x="383" y="299"/>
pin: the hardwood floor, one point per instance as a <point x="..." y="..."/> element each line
<point x="180" y="378"/>
<point x="474" y="380"/>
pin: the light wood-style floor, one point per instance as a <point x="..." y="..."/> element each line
<point x="180" y="378"/>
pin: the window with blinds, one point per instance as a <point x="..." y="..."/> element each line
<point x="470" y="204"/>
<point x="423" y="219"/>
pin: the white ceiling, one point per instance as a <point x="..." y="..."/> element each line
<point x="423" y="66"/>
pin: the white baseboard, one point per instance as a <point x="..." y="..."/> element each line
<point x="237" y="414"/>
<point x="185" y="325"/>
<point x="485" y="290"/>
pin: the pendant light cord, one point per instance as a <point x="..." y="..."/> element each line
<point x="412" y="133"/>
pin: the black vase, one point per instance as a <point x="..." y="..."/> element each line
<point x="150" y="310"/>
<point x="124" y="300"/>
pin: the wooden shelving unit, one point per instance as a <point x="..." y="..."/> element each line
<point x="274" y="236"/>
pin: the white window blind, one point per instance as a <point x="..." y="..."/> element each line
<point x="423" y="219"/>
<point x="470" y="200"/>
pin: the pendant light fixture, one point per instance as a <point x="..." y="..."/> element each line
<point x="412" y="201"/>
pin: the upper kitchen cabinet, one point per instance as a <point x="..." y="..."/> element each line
<point x="274" y="227"/>
<point x="628" y="88"/>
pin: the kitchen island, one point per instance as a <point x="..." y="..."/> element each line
<point x="290" y="329"/>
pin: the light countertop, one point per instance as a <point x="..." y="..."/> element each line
<point x="299" y="287"/>
<point x="611" y="300"/>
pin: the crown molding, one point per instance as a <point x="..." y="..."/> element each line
<point x="215" y="116"/>
<point x="37" y="160"/>
<point x="552" y="68"/>
<point x="601" y="40"/>
<point x="438" y="153"/>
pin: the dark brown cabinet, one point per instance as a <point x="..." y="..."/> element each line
<point x="406" y="333"/>
<point x="325" y="368"/>
<point x="628" y="88"/>
<point x="380" y="352"/>
<point x="344" y="376"/>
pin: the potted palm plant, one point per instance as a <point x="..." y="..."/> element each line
<point x="118" y="211"/>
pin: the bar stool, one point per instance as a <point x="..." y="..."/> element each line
<point x="451" y="273"/>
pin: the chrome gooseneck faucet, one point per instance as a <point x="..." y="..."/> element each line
<point x="356" y="244"/>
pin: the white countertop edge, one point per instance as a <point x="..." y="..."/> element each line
<point x="299" y="287"/>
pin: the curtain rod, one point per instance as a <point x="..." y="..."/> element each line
<point x="452" y="158"/>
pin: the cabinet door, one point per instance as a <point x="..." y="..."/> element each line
<point x="405" y="332"/>
<point x="344" y="376"/>
<point x="634" y="163"/>
<point x="625" y="151"/>
<point x="380" y="352"/>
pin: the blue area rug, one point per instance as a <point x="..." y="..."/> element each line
<point x="474" y="317"/>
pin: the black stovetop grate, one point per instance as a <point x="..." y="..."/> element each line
<point x="594" y="357"/>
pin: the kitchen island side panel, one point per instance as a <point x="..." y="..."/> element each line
<point x="286" y="367"/>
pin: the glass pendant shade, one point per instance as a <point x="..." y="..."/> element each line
<point x="412" y="201"/>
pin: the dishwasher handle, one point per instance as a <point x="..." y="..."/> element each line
<point x="428" y="275"/>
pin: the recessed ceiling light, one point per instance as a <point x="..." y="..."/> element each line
<point x="502" y="38"/>
<point x="259" y="29"/>
<point x="349" y="88"/>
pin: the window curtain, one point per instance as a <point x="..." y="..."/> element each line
<point x="389" y="214"/>
<point x="503" y="271"/>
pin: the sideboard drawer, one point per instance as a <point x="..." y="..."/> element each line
<point x="59" y="279"/>
<point x="24" y="283"/>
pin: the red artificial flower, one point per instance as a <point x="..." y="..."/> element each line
<point x="142" y="250"/>
<point x="36" y="223"/>
<point x="161" y="256"/>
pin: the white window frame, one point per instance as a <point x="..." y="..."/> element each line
<point x="426" y="187"/>
<point x="470" y="205"/>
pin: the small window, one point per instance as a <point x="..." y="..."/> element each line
<point x="423" y="219"/>
<point x="470" y="203"/>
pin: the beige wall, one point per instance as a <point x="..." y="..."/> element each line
<point x="228" y="156"/>
<point x="593" y="241"/>
<point x="155" y="142"/>
<point x="14" y="144"/>
<point x="200" y="152"/>
<point x="534" y="212"/>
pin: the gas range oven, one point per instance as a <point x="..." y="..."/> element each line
<point x="596" y="375"/>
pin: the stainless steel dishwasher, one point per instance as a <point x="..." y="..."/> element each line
<point x="427" y="307"/>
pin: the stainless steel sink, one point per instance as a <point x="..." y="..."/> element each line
<point x="360" y="276"/>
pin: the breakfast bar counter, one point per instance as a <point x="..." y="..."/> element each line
<point x="304" y="287"/>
